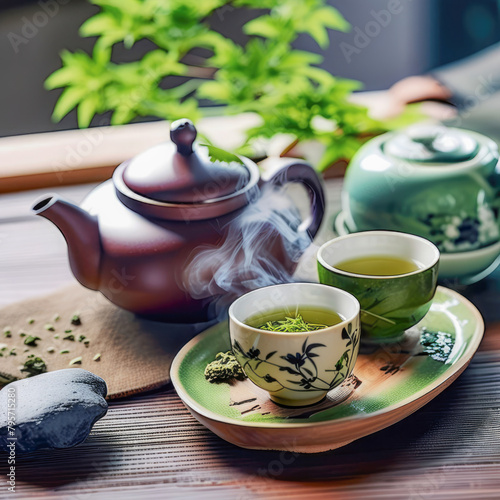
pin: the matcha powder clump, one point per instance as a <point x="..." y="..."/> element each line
<point x="224" y="369"/>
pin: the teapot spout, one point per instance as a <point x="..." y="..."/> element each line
<point x="81" y="232"/>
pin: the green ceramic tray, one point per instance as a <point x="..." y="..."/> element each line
<point x="389" y="383"/>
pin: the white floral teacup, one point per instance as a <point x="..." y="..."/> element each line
<point x="296" y="368"/>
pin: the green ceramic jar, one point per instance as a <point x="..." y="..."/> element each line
<point x="432" y="181"/>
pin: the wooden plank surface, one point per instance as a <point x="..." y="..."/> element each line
<point x="150" y="447"/>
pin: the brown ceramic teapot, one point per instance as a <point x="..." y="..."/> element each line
<point x="176" y="233"/>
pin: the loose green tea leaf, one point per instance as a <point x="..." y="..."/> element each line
<point x="97" y="357"/>
<point x="31" y="340"/>
<point x="50" y="327"/>
<point x="76" y="361"/>
<point x="291" y="325"/>
<point x="69" y="337"/>
<point x="6" y="379"/>
<point x="76" y="320"/>
<point x="34" y="366"/>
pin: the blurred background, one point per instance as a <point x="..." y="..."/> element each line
<point x="428" y="33"/>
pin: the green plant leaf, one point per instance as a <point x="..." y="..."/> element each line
<point x="124" y="5"/>
<point x="188" y="61"/>
<point x="98" y="25"/>
<point x="319" y="20"/>
<point x="158" y="62"/>
<point x="318" y="33"/>
<point x="101" y="53"/>
<point x="300" y="59"/>
<point x="218" y="91"/>
<point x="332" y="18"/>
<point x="321" y="76"/>
<point x="122" y="115"/>
<point x="264" y="26"/>
<point x="220" y="155"/>
<point x="62" y="77"/>
<point x="86" y="110"/>
<point x="68" y="100"/>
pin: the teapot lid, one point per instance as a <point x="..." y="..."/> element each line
<point x="182" y="172"/>
<point x="432" y="144"/>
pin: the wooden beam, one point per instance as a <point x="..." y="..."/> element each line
<point x="81" y="156"/>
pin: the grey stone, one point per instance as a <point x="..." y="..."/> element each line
<point x="52" y="410"/>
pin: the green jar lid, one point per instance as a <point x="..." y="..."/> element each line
<point x="432" y="144"/>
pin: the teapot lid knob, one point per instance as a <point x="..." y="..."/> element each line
<point x="183" y="134"/>
<point x="182" y="172"/>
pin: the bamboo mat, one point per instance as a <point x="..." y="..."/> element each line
<point x="150" y="447"/>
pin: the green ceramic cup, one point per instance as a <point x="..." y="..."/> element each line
<point x="389" y="304"/>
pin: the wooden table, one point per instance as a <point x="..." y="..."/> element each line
<point x="150" y="447"/>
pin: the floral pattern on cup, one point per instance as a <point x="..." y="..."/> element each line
<point x="300" y="365"/>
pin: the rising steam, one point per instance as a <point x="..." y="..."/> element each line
<point x="262" y="248"/>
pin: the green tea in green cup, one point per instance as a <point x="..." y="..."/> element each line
<point x="393" y="275"/>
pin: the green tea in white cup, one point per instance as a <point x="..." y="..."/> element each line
<point x="300" y="319"/>
<point x="296" y="368"/>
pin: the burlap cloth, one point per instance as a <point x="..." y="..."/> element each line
<point x="135" y="354"/>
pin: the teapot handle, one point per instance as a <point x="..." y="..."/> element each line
<point x="280" y="171"/>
